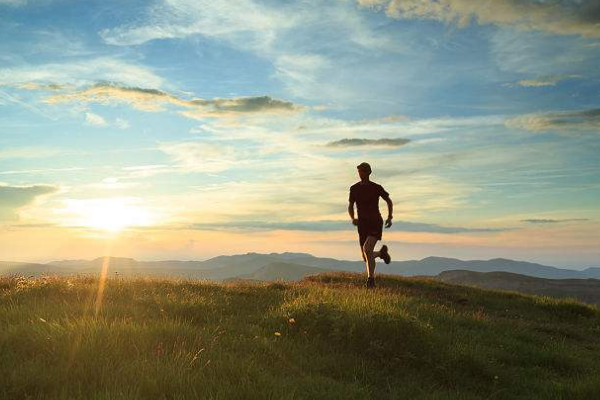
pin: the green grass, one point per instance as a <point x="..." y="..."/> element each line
<point x="183" y="339"/>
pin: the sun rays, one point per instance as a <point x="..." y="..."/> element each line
<point x="111" y="215"/>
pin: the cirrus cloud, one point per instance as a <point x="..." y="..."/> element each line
<point x="565" y="122"/>
<point x="553" y="221"/>
<point x="554" y="17"/>
<point x="335" y="225"/>
<point x="355" y="142"/>
<point x="550" y="80"/>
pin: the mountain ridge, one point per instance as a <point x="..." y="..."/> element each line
<point x="226" y="266"/>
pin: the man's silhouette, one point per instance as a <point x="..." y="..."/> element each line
<point x="369" y="222"/>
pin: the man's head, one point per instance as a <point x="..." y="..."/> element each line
<point x="364" y="170"/>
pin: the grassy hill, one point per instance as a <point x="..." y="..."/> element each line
<point x="586" y="290"/>
<point x="325" y="337"/>
<point x="282" y="271"/>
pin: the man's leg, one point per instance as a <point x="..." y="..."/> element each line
<point x="376" y="254"/>
<point x="361" y="241"/>
<point x="370" y="255"/>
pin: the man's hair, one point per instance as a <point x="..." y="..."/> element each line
<point x="364" y="166"/>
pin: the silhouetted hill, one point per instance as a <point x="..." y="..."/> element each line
<point x="586" y="290"/>
<point x="282" y="271"/>
<point x="228" y="266"/>
<point x="22" y="268"/>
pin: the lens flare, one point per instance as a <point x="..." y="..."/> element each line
<point x="109" y="214"/>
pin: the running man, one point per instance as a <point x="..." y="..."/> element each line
<point x="369" y="222"/>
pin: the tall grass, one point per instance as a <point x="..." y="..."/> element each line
<point x="326" y="337"/>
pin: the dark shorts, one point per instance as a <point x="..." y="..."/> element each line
<point x="369" y="227"/>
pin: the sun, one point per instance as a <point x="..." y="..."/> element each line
<point x="108" y="214"/>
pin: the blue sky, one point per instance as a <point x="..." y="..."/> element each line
<point x="187" y="129"/>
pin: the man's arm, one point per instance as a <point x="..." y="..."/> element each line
<point x="390" y="206"/>
<point x="351" y="201"/>
<point x="388" y="221"/>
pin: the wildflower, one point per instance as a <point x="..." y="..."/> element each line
<point x="277" y="333"/>
<point x="159" y="349"/>
<point x="292" y="321"/>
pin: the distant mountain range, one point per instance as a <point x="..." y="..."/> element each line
<point x="286" y="266"/>
<point x="498" y="273"/>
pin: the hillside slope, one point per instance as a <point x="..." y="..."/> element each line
<point x="325" y="337"/>
<point x="282" y="271"/>
<point x="586" y="290"/>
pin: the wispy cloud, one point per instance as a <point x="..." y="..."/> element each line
<point x="385" y="142"/>
<point x="79" y="73"/>
<point x="108" y="92"/>
<point x="565" y="122"/>
<point x="41" y="171"/>
<point x="301" y="43"/>
<point x="15" y="3"/>
<point x="24" y="104"/>
<point x="216" y="18"/>
<point x="94" y="119"/>
<point x="154" y="100"/>
<point x="563" y="17"/>
<point x="550" y="80"/>
<point x="206" y="157"/>
<point x="25" y="152"/>
<point x="332" y="225"/>
<point x="543" y="57"/>
<point x="553" y="221"/>
<point x="14" y="197"/>
<point x="393" y="125"/>
<point x="122" y="123"/>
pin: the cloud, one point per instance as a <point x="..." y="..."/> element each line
<point x="313" y="53"/>
<point x="94" y="119"/>
<point x="40" y="86"/>
<point x="122" y="124"/>
<point x="236" y="106"/>
<point x="79" y="73"/>
<point x="393" y="124"/>
<point x="333" y="225"/>
<point x="33" y="152"/>
<point x="552" y="221"/>
<point x="14" y="3"/>
<point x="424" y="227"/>
<point x="41" y="171"/>
<point x="566" y="122"/>
<point x="212" y="18"/>
<point x="550" y="80"/>
<point x="255" y="24"/>
<point x="206" y="157"/>
<point x="14" y="197"/>
<point x="153" y="100"/>
<point x="108" y="93"/>
<point x="554" y="17"/>
<point x="385" y="142"/>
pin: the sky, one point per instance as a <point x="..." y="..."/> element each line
<point x="187" y="129"/>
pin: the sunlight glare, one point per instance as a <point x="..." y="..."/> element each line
<point x="110" y="214"/>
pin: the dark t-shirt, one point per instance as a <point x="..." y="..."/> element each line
<point x="366" y="196"/>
